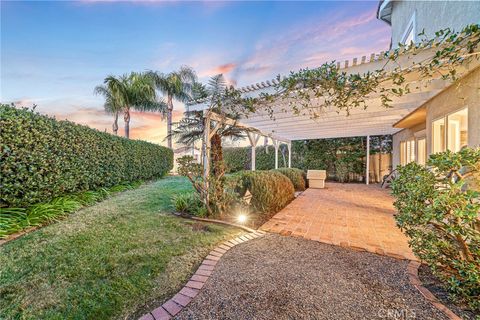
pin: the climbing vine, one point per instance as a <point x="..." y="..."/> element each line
<point x="312" y="91"/>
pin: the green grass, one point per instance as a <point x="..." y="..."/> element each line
<point x="116" y="259"/>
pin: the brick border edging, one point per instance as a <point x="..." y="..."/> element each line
<point x="193" y="286"/>
<point x="412" y="271"/>
<point x="231" y="224"/>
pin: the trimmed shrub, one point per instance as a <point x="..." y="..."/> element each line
<point x="271" y="191"/>
<point x="297" y="176"/>
<point x="42" y="158"/>
<point x="439" y="210"/>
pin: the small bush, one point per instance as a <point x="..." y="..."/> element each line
<point x="42" y="158"/>
<point x="189" y="203"/>
<point x="439" y="210"/>
<point x="297" y="176"/>
<point x="271" y="191"/>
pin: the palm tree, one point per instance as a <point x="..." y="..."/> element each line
<point x="131" y="91"/>
<point x="174" y="85"/>
<point x="111" y="104"/>
<point x="191" y="127"/>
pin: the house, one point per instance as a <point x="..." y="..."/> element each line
<point x="450" y="119"/>
<point x="434" y="116"/>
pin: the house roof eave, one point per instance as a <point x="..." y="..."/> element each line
<point x="384" y="11"/>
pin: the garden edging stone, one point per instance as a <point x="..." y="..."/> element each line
<point x="195" y="284"/>
<point x="412" y="271"/>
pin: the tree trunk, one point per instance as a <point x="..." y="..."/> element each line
<point x="126" y="118"/>
<point x="169" y="120"/>
<point x="115" y="124"/>
<point x="217" y="155"/>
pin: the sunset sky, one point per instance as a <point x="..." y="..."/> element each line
<point x="53" y="54"/>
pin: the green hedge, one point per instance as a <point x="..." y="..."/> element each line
<point x="333" y="155"/>
<point x="271" y="191"/>
<point x="297" y="176"/>
<point x="237" y="159"/>
<point x="42" y="158"/>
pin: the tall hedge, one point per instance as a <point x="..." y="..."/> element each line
<point x="42" y="158"/>
<point x="239" y="158"/>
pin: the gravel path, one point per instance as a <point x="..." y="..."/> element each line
<point x="277" y="277"/>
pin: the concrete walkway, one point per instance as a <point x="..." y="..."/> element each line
<point x="349" y="215"/>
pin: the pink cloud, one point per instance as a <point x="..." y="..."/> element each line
<point x="311" y="44"/>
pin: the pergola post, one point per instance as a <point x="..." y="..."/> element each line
<point x="367" y="169"/>
<point x="206" y="153"/>
<point x="289" y="146"/>
<point x="253" y="137"/>
<point x="276" y="144"/>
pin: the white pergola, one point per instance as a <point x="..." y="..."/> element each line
<point x="288" y="126"/>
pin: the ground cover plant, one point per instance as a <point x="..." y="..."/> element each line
<point x="114" y="260"/>
<point x="439" y="208"/>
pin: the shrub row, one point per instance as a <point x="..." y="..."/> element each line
<point x="42" y="158"/>
<point x="297" y="177"/>
<point x="271" y="191"/>
<point x="343" y="158"/>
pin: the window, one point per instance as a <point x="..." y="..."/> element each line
<point x="409" y="35"/>
<point x="407" y="151"/>
<point x="421" y="151"/>
<point x="411" y="150"/>
<point x="438" y="135"/>
<point x="450" y="132"/>
<point x="403" y="154"/>
<point x="457" y="133"/>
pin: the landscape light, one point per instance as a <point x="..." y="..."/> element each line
<point x="242" y="218"/>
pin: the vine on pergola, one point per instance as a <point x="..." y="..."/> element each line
<point x="336" y="89"/>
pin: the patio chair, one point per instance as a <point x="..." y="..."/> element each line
<point x="316" y="178"/>
<point x="388" y="178"/>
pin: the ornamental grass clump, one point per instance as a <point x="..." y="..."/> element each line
<point x="296" y="176"/>
<point x="439" y="209"/>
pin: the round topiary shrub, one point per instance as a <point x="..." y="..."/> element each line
<point x="271" y="191"/>
<point x="297" y="176"/>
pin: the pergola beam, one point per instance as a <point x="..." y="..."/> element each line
<point x="367" y="173"/>
<point x="223" y="119"/>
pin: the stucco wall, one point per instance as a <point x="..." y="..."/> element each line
<point x="463" y="93"/>
<point x="432" y="16"/>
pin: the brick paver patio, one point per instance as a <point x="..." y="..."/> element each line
<point x="350" y="215"/>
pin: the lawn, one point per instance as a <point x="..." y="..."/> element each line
<point x="117" y="259"/>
